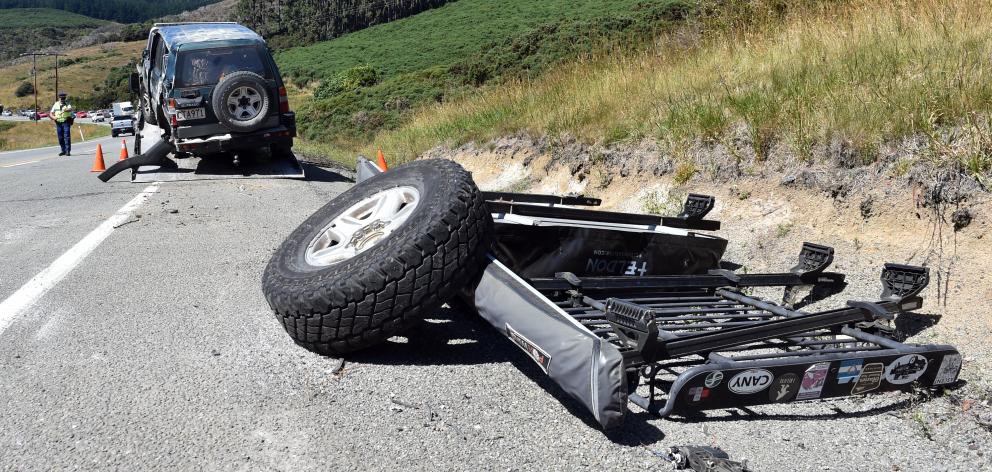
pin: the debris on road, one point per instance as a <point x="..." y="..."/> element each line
<point x="703" y="459"/>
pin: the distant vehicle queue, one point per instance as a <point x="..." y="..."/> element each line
<point x="97" y="116"/>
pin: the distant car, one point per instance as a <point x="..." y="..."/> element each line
<point x="123" y="119"/>
<point x="7" y="113"/>
<point x="27" y="113"/>
<point x="43" y="114"/>
<point x="98" y="118"/>
<point x="81" y="114"/>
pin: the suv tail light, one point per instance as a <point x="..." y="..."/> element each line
<point x="171" y="109"/>
<point x="283" y="101"/>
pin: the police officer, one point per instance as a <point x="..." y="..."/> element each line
<point x="61" y="114"/>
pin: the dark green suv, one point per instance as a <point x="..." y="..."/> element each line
<point x="213" y="88"/>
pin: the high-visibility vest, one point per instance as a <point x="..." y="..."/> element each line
<point x="61" y="112"/>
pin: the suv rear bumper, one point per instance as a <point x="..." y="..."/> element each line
<point x="279" y="135"/>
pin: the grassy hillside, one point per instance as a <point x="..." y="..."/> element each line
<point x="24" y="29"/>
<point x="863" y="72"/>
<point x="85" y="76"/>
<point x="124" y="11"/>
<point x="28" y="135"/>
<point x="370" y="79"/>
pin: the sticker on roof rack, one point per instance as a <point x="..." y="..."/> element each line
<point x="948" y="371"/>
<point x="539" y="355"/>
<point x="906" y="369"/>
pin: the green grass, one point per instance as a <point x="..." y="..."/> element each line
<point x="29" y="135"/>
<point x="437" y="37"/>
<point x="445" y="53"/>
<point x="862" y="72"/>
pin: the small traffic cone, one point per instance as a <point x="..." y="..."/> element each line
<point x="98" y="165"/>
<point x="381" y="161"/>
<point x="123" y="150"/>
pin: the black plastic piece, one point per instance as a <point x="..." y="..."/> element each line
<point x="813" y="258"/>
<point x="634" y="325"/>
<point x="539" y="198"/>
<point x="696" y="207"/>
<point x="903" y="281"/>
<point x="703" y="459"/>
<point x="156" y="155"/>
<point x="574" y="214"/>
<point x="874" y="308"/>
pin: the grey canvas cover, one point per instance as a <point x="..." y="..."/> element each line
<point x="585" y="366"/>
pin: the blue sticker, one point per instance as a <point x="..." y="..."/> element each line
<point x="849" y="371"/>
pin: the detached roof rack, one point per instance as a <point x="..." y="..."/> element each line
<point x="546" y="206"/>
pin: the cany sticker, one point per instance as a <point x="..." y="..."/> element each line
<point x="784" y="388"/>
<point x="849" y="371"/>
<point x="870" y="378"/>
<point x="713" y="379"/>
<point x="949" y="368"/>
<point x="750" y="381"/>
<point x="813" y="381"/>
<point x="539" y="355"/>
<point x="697" y="394"/>
<point x="906" y="369"/>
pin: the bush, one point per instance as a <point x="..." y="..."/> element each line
<point x="24" y="89"/>
<point x="347" y="81"/>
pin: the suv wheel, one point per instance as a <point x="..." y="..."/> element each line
<point x="383" y="254"/>
<point x="241" y="101"/>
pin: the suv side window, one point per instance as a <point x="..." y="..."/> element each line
<point x="160" y="54"/>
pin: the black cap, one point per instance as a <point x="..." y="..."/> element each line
<point x="62" y="94"/>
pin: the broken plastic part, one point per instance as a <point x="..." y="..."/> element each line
<point x="634" y="325"/>
<point x="813" y="258"/>
<point x="903" y="281"/>
<point x="696" y="207"/>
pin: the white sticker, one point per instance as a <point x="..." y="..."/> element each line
<point x="906" y="369"/>
<point x="813" y="381"/>
<point x="713" y="379"/>
<point x="949" y="368"/>
<point x="750" y="381"/>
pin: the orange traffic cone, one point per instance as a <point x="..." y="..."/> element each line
<point x="123" y="150"/>
<point x="381" y="161"/>
<point x="98" y="165"/>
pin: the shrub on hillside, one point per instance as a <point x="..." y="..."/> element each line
<point x="24" y="89"/>
<point x="349" y="80"/>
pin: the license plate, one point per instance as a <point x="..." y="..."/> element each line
<point x="191" y="114"/>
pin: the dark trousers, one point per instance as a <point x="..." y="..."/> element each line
<point x="65" y="137"/>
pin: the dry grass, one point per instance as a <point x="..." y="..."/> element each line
<point x="29" y="135"/>
<point x="77" y="79"/>
<point x="866" y="71"/>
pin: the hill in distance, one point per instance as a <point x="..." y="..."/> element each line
<point x="24" y="29"/>
<point x="121" y="11"/>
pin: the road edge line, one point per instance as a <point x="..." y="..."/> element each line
<point x="34" y="289"/>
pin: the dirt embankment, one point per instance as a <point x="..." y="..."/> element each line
<point x="888" y="211"/>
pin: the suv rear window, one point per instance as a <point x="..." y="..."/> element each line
<point x="208" y="66"/>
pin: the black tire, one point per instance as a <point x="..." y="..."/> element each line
<point x="113" y="134"/>
<point x="407" y="275"/>
<point x="239" y="119"/>
<point x="147" y="114"/>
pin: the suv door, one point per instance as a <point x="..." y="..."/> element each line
<point x="156" y="75"/>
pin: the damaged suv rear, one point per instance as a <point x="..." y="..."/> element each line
<point x="213" y="88"/>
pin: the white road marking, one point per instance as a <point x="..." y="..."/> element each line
<point x="40" y="284"/>
<point x="20" y="163"/>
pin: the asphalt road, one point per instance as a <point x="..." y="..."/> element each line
<point x="146" y="344"/>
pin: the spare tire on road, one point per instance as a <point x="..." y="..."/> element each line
<point x="381" y="255"/>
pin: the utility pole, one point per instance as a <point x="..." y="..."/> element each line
<point x="56" y="72"/>
<point x="34" y="72"/>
